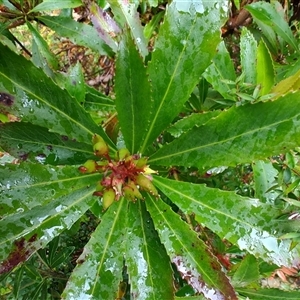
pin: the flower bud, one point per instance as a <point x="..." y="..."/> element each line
<point x="108" y="198"/>
<point x="100" y="148"/>
<point x="146" y="184"/>
<point x="141" y="162"/>
<point x="90" y="165"/>
<point x="131" y="192"/>
<point x="123" y="153"/>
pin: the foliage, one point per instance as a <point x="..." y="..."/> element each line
<point x="193" y="194"/>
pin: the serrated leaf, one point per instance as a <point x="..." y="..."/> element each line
<point x="187" y="42"/>
<point x="24" y="232"/>
<point x="290" y="84"/>
<point x="221" y="69"/>
<point x="43" y="47"/>
<point x="56" y="4"/>
<point x="266" y="13"/>
<point x="187" y="123"/>
<point x="94" y="101"/>
<point x="265" y="69"/>
<point x="238" y="135"/>
<point x="78" y="33"/>
<point x="27" y="185"/>
<point x="126" y="14"/>
<point x="105" y="25"/>
<point x="148" y="266"/>
<point x="264" y="178"/>
<point x="27" y="141"/>
<point x="190" y="255"/>
<point x="99" y="268"/>
<point x="238" y="219"/>
<point x="75" y="84"/>
<point x="133" y="100"/>
<point x="268" y="294"/>
<point x="247" y="272"/>
<point x="248" y="48"/>
<point x="37" y="99"/>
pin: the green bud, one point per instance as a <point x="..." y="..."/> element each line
<point x="123" y="153"/>
<point x="101" y="148"/>
<point x="108" y="198"/>
<point x="141" y="162"/>
<point x="131" y="192"/>
<point x="97" y="138"/>
<point x="90" y="166"/>
<point x="146" y="184"/>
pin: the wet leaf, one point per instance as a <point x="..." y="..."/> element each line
<point x="28" y="185"/>
<point x="105" y="26"/>
<point x="132" y="93"/>
<point x="56" y="4"/>
<point x="27" y="141"/>
<point x="265" y="69"/>
<point x="240" y="220"/>
<point x="267" y="14"/>
<point x="247" y="272"/>
<point x="220" y="71"/>
<point x="191" y="121"/>
<point x="99" y="268"/>
<point x="96" y="101"/>
<point x="266" y="294"/>
<point x="78" y="33"/>
<point x="43" y="47"/>
<point x="37" y="99"/>
<point x="24" y="232"/>
<point x="191" y="256"/>
<point x="75" y="83"/>
<point x="126" y="14"/>
<point x="186" y="43"/>
<point x="149" y="268"/>
<point x="248" y="46"/>
<point x="264" y="178"/>
<point x="238" y="135"/>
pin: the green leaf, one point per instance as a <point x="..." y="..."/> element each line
<point x="43" y="47"/>
<point x="221" y="69"/>
<point x="132" y="93"/>
<point x="265" y="294"/>
<point x="191" y="298"/>
<point x="75" y="84"/>
<point x="187" y="42"/>
<point x="25" y="140"/>
<point x="290" y="84"/>
<point x="94" y="101"/>
<point x="247" y="272"/>
<point x="126" y="14"/>
<point x="99" y="268"/>
<point x="56" y="4"/>
<point x="266" y="13"/>
<point x="248" y="48"/>
<point x="190" y="255"/>
<point x="153" y="24"/>
<point x="238" y="219"/>
<point x="26" y="231"/>
<point x="191" y="121"/>
<point x="27" y="185"/>
<point x="238" y="135"/>
<point x="265" y="69"/>
<point x="148" y="266"/>
<point x="37" y="99"/>
<point x="264" y="178"/>
<point x="78" y="33"/>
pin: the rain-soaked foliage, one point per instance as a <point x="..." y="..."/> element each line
<point x="173" y="173"/>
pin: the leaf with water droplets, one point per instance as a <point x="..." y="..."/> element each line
<point x="186" y="44"/>
<point x="148" y="266"/>
<point x="268" y="294"/>
<point x="99" y="268"/>
<point x="191" y="256"/>
<point x="26" y="141"/>
<point x="237" y="135"/>
<point x="26" y="231"/>
<point x="242" y="221"/>
<point x="37" y="99"/>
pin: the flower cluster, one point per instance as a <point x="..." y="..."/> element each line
<point x="124" y="175"/>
